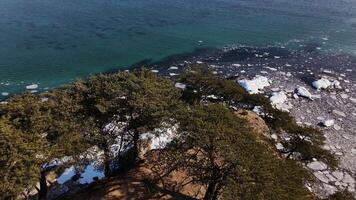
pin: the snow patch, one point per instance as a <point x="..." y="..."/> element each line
<point x="255" y="85"/>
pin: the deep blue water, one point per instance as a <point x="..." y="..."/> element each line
<point x="51" y="42"/>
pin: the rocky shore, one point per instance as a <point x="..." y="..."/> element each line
<point x="317" y="89"/>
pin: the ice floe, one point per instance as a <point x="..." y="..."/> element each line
<point x="32" y="87"/>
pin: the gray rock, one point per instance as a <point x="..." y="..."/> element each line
<point x="317" y="165"/>
<point x="337" y="112"/>
<point x="338" y="175"/>
<point x="320" y="176"/>
<point x="348" y="179"/>
<point x="337" y="127"/>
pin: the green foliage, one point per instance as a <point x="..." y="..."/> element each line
<point x="307" y="141"/>
<point x="140" y="99"/>
<point x="20" y="159"/>
<point x="220" y="151"/>
<point x="202" y="82"/>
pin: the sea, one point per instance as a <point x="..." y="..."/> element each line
<point x="48" y="43"/>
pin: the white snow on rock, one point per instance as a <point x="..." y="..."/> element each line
<point x="255" y="85"/>
<point x="173" y="68"/>
<point x="303" y="92"/>
<point x="324" y="83"/>
<point x="32" y="87"/>
<point x="258" y="110"/>
<point x="279" y="146"/>
<point x="328" y="123"/>
<point x="278" y="100"/>
<point x="160" y="140"/>
<point x="236" y="65"/>
<point x="321" y="84"/>
<point x="317" y="165"/>
<point x="180" y="86"/>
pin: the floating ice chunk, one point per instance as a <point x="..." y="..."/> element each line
<point x="321" y="84"/>
<point x="303" y="92"/>
<point x="154" y="71"/>
<point x="255" y="85"/>
<point x="180" y="86"/>
<point x="173" y="68"/>
<point x="5" y="94"/>
<point x="199" y="62"/>
<point x="271" y="68"/>
<point x="173" y="74"/>
<point x="236" y="65"/>
<point x="32" y="86"/>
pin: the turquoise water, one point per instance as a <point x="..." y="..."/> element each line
<point x="52" y="42"/>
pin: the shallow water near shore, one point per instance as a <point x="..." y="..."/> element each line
<point x="51" y="42"/>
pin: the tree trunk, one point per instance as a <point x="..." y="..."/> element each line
<point x="135" y="149"/>
<point x="107" y="161"/>
<point x="42" y="194"/>
<point x="211" y="192"/>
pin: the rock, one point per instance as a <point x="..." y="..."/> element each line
<point x="337" y="112"/>
<point x="274" y="136"/>
<point x="337" y="127"/>
<point x="329" y="189"/>
<point x="180" y="86"/>
<point x="303" y="92"/>
<point x="328" y="122"/>
<point x="353" y="100"/>
<point x="344" y="96"/>
<point x="338" y="175"/>
<point x="279" y="146"/>
<point x="348" y="179"/>
<point x="320" y="176"/>
<point x="330" y="177"/>
<point x="317" y="165"/>
<point x="278" y="99"/>
<point x="321" y="84"/>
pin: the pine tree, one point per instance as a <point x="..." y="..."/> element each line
<point x="20" y="160"/>
<point x="140" y="99"/>
<point x="218" y="150"/>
